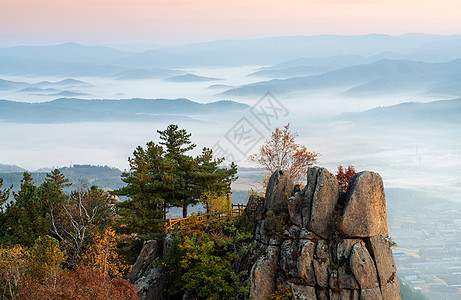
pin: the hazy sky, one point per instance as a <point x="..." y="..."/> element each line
<point x="178" y="21"/>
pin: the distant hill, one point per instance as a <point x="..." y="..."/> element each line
<point x="65" y="53"/>
<point x="130" y="110"/>
<point x="275" y="50"/>
<point x="411" y="113"/>
<point x="9" y="85"/>
<point x="311" y="66"/>
<point x="39" y="90"/>
<point x="155" y="73"/>
<point x="191" y="78"/>
<point x="219" y="86"/>
<point x="10" y="169"/>
<point x="394" y="75"/>
<point x="101" y="176"/>
<point x="67" y="82"/>
<point x="72" y="59"/>
<point x="42" y="86"/>
<point x="68" y="94"/>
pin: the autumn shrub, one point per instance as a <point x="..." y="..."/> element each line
<point x="215" y="202"/>
<point x="281" y="293"/>
<point x="81" y="283"/>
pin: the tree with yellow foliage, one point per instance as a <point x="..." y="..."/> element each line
<point x="102" y="255"/>
<point x="281" y="152"/>
<point x="13" y="265"/>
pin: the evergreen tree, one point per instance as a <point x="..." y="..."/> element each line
<point x="51" y="191"/>
<point x="195" y="176"/>
<point x="212" y="179"/>
<point x="177" y="142"/>
<point x="162" y="176"/>
<point x="26" y="217"/>
<point x="149" y="182"/>
<point x="4" y="195"/>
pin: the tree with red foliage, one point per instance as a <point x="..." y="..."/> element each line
<point x="344" y="175"/>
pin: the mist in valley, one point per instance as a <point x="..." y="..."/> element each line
<point x="406" y="154"/>
<point x="375" y="106"/>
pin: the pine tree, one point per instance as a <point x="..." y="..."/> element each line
<point x="162" y="176"/>
<point x="194" y="176"/>
<point x="177" y="142"/>
<point x="26" y="217"/>
<point x="4" y="195"/>
<point x="212" y="179"/>
<point x="148" y="184"/>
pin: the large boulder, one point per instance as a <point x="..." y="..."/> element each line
<point x="302" y="292"/>
<point x="363" y="267"/>
<point x="263" y="273"/>
<point x="364" y="213"/>
<point x="382" y="255"/>
<point x="373" y="294"/>
<point x="289" y="259"/>
<point x="322" y="187"/>
<point x="147" y="274"/>
<point x="336" y="247"/>
<point x="343" y="252"/>
<point x="151" y="286"/>
<point x="278" y="189"/>
<point x="149" y="252"/>
<point x="299" y="209"/>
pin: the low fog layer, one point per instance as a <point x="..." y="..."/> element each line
<point x="315" y="79"/>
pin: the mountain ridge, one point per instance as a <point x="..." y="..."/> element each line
<point x="64" y="110"/>
<point x="430" y="74"/>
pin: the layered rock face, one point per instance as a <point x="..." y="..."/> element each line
<point x="338" y="247"/>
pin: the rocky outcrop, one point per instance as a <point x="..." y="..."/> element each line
<point x="278" y="189"/>
<point x="364" y="213"/>
<point x="146" y="273"/>
<point x="262" y="280"/>
<point x="337" y="246"/>
<point x="316" y="242"/>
